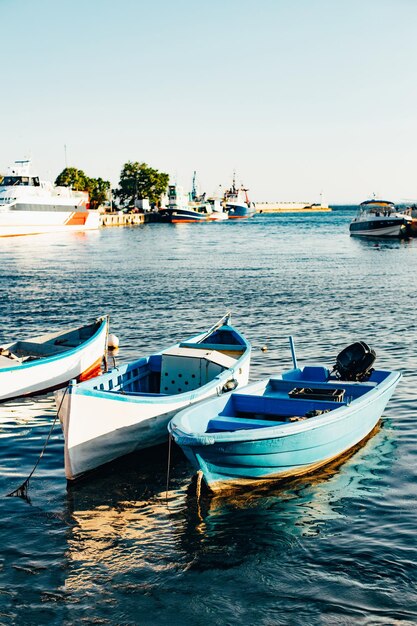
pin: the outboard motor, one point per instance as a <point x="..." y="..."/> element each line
<point x="355" y="362"/>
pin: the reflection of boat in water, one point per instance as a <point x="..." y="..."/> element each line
<point x="31" y="206"/>
<point x="379" y="218"/>
<point x="122" y="521"/>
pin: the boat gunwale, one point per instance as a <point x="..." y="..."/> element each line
<point x="62" y="355"/>
<point x="86" y="387"/>
<point x="281" y="430"/>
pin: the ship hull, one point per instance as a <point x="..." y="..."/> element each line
<point x="239" y="211"/>
<point x="181" y="216"/>
<point x="379" y="228"/>
<point x="45" y="219"/>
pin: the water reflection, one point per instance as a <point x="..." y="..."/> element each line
<point x="379" y="243"/>
<point x="123" y="521"/>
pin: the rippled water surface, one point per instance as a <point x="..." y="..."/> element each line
<point x="339" y="547"/>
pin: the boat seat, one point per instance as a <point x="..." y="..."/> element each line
<point x="220" y="347"/>
<point x="136" y="393"/>
<point x="247" y="403"/>
<point x="231" y="423"/>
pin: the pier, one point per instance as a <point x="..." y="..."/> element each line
<point x="128" y="219"/>
<point x="290" y="207"/>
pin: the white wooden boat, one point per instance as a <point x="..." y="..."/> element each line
<point x="49" y="361"/>
<point x="129" y="408"/>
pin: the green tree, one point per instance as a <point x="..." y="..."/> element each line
<point x="71" y="177"/>
<point x="138" y="180"/>
<point x="97" y="188"/>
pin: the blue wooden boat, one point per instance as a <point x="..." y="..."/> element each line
<point x="281" y="427"/>
<point x="129" y="408"/>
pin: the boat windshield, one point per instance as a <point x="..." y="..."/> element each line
<point x="20" y="181"/>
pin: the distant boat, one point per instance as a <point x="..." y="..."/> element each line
<point x="283" y="426"/>
<point x="380" y="218"/>
<point x="182" y="209"/>
<point x="217" y="212"/>
<point x="237" y="203"/>
<point x="46" y="362"/>
<point x="192" y="207"/>
<point x="129" y="408"/>
<point x="30" y="206"/>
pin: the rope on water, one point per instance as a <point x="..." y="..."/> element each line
<point x="22" y="491"/>
<point x="169" y="465"/>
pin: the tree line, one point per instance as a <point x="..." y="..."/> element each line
<point x="137" y="180"/>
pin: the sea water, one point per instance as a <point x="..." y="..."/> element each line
<point x="337" y="547"/>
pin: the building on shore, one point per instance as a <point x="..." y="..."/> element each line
<point x="290" y="207"/>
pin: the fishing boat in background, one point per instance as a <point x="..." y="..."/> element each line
<point x="237" y="203"/>
<point x="287" y="425"/>
<point x="192" y="207"/>
<point x="30" y="206"/>
<point x="129" y="408"/>
<point x="217" y="212"/>
<point x="49" y="361"/>
<point x="380" y="218"/>
<point x="182" y="208"/>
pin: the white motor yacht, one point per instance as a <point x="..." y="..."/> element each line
<point x="31" y="206"/>
<point x="379" y="218"/>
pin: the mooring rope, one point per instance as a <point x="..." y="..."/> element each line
<point x="22" y="491"/>
<point x="169" y="465"/>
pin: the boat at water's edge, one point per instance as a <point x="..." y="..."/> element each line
<point x="237" y="203"/>
<point x="128" y="408"/>
<point x="280" y="427"/>
<point x="30" y="206"/>
<point x="380" y="218"/>
<point x="49" y="361"/>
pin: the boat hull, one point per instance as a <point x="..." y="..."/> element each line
<point x="181" y="216"/>
<point x="379" y="228"/>
<point x="16" y="222"/>
<point x="237" y="459"/>
<point x="50" y="373"/>
<point x="239" y="211"/>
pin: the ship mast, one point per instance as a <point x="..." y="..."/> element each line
<point x="194" y="190"/>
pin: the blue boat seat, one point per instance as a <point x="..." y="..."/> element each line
<point x="138" y="393"/>
<point x="246" y="403"/>
<point x="220" y="347"/>
<point x="228" y="423"/>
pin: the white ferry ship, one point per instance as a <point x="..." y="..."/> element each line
<point x="29" y="206"/>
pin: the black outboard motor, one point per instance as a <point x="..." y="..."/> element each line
<point x="355" y="362"/>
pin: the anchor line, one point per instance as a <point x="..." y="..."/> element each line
<point x="169" y="465"/>
<point x="22" y="490"/>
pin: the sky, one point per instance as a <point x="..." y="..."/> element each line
<point x="299" y="97"/>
